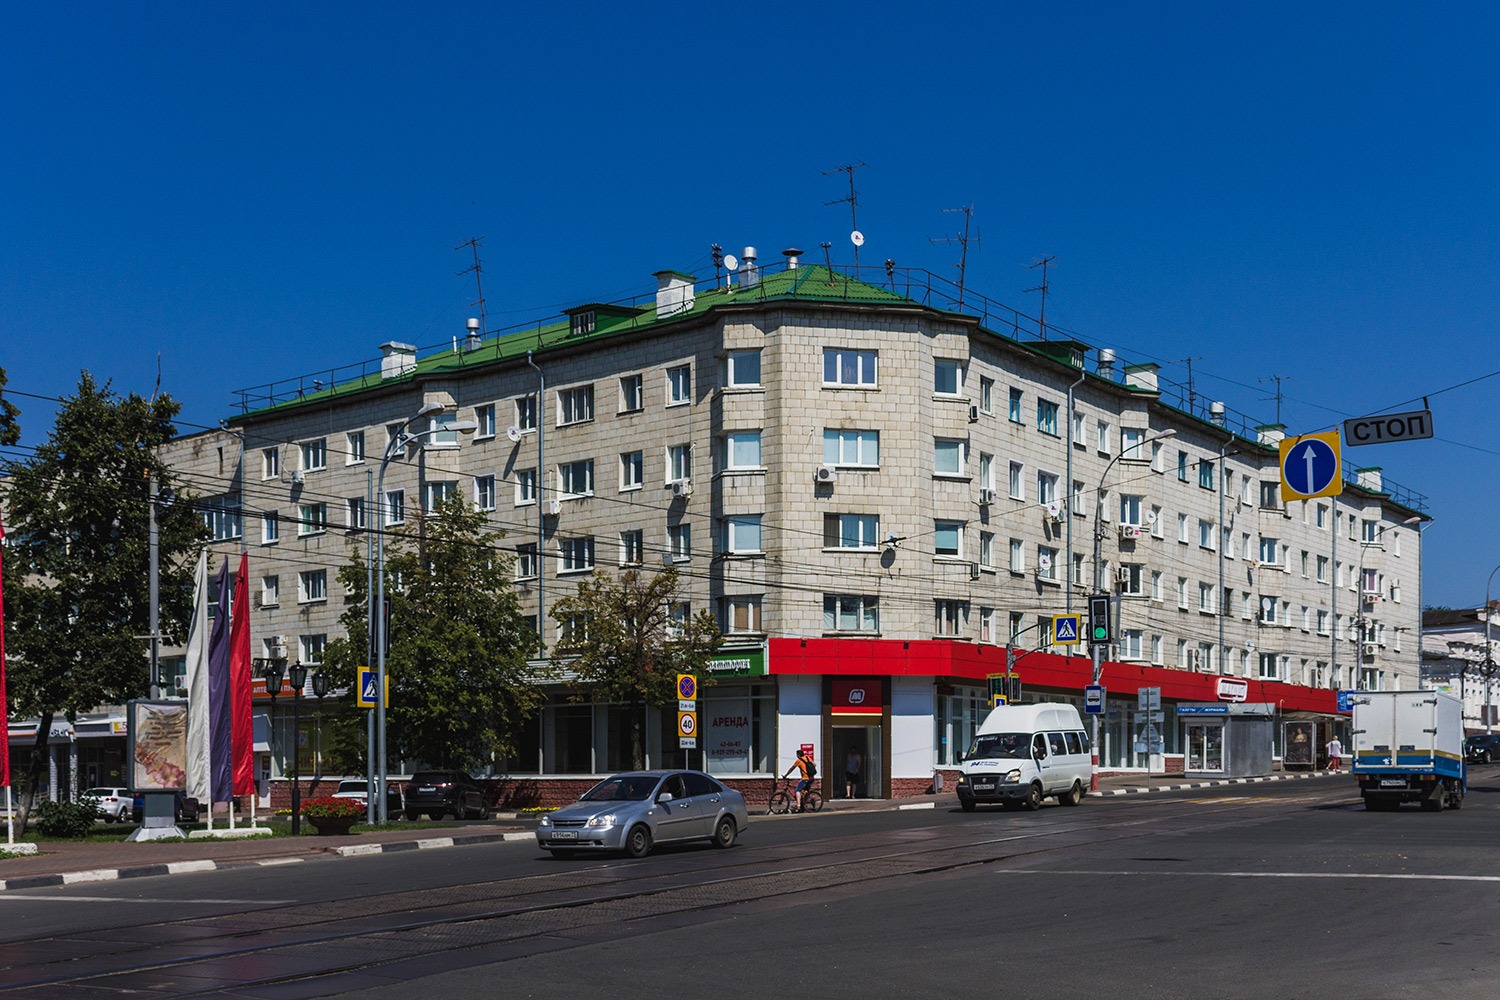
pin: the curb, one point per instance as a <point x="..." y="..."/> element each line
<point x="1216" y="783"/>
<point x="209" y="865"/>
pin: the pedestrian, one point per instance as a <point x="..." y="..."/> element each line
<point x="1335" y="751"/>
<point x="851" y="771"/>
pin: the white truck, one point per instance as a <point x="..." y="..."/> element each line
<point x="1409" y="747"/>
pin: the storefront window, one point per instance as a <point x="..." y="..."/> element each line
<point x="570" y="739"/>
<point x="957" y="720"/>
<point x="739" y="728"/>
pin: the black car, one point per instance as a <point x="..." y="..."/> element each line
<point x="439" y="793"/>
<point x="1483" y="748"/>
<point x="184" y="808"/>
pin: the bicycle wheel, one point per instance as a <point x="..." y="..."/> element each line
<point x="780" y="803"/>
<point x="812" y="802"/>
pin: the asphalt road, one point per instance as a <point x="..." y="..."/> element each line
<point x="1274" y="890"/>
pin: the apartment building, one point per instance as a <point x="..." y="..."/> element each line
<point x="1458" y="657"/>
<point x="874" y="490"/>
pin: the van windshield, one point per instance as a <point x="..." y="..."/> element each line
<point x="993" y="745"/>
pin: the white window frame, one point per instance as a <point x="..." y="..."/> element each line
<point x="862" y="531"/>
<point x="739" y="531"/>
<point x="575" y="405"/>
<point x="863" y="366"/>
<point x="852" y="448"/>
<point x="632" y="393"/>
<point x="632" y="471"/>
<point x="955" y="367"/>
<point x="732" y="442"/>
<point x="484" y="492"/>
<point x="679" y="385"/>
<point x="270" y="463"/>
<point x="484" y="416"/>
<point x="680" y="542"/>
<point x="851" y="613"/>
<point x="733" y="364"/>
<point x="955" y="447"/>
<point x="679" y="462"/>
<point x="525" y="487"/>
<point x="270" y="527"/>
<point x="270" y="591"/>
<point x="567" y="477"/>
<point x="313" y="455"/>
<point x="946" y="525"/>
<point x="575" y="554"/>
<point x="312" y="586"/>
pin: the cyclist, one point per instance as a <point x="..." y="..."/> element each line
<point x="805" y="782"/>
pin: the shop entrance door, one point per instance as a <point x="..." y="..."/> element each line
<point x="1205" y="746"/>
<point x="870" y="781"/>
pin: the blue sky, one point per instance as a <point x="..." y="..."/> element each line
<point x="1276" y="189"/>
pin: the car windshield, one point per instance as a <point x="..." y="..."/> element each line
<point x="1016" y="746"/>
<point x="625" y="788"/>
<point x="351" y="786"/>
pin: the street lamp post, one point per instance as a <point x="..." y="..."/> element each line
<point x="1097" y="649"/>
<point x="273" y="670"/>
<point x="1360" y="621"/>
<point x="297" y="674"/>
<point x="1489" y="657"/>
<point x="398" y="443"/>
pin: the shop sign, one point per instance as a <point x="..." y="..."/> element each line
<point x="1232" y="689"/>
<point x="1202" y="709"/>
<point x="861" y="697"/>
<point x="728" y="738"/>
<point x="739" y="663"/>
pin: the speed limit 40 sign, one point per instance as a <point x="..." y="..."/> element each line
<point x="687" y="730"/>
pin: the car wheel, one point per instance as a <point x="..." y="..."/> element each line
<point x="638" y="842"/>
<point x="967" y="805"/>
<point x="411" y="815"/>
<point x="1072" y="796"/>
<point x="1034" y="798"/>
<point x="725" y="833"/>
<point x="1485" y="757"/>
<point x="484" y="811"/>
<point x="438" y="814"/>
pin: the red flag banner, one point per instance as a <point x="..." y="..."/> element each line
<point x="241" y="735"/>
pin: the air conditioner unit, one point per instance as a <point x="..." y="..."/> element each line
<point x="554" y="507"/>
<point x="973" y="414"/>
<point x="1122" y="574"/>
<point x="682" y="487"/>
<point x="973" y="571"/>
<point x="180" y="682"/>
<point x="1130" y="531"/>
<point x="1368" y="648"/>
<point x="826" y="474"/>
<point x="297" y="476"/>
<point x="1371" y="597"/>
<point x="986" y="497"/>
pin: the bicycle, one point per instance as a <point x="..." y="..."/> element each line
<point x="782" y="798"/>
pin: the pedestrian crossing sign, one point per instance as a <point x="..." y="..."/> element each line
<point x="366" y="677"/>
<point x="1067" y="629"/>
<point x="996" y="700"/>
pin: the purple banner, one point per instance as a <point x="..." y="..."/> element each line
<point x="220" y="753"/>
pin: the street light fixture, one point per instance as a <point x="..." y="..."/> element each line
<point x="1097" y="650"/>
<point x="398" y="443"/>
<point x="1489" y="658"/>
<point x="1359" y="630"/>
<point x="273" y="670"/>
<point x="297" y="674"/>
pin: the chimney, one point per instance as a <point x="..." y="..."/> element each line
<point x="674" y="293"/>
<point x="473" y="337"/>
<point x="749" y="273"/>
<point x="1106" y="363"/>
<point x="1270" y="435"/>
<point x="1142" y="377"/>
<point x="1216" y="413"/>
<point x="1370" y="479"/>
<point x="791" y="254"/>
<point x="397" y="359"/>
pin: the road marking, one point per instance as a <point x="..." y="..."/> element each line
<point x="1393" y="876"/>
<point x="918" y="805"/>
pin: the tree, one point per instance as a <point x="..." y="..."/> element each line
<point x="77" y="592"/>
<point x="460" y="684"/>
<point x="10" y="429"/>
<point x="629" y="648"/>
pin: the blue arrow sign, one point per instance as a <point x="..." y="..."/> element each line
<point x="1310" y="466"/>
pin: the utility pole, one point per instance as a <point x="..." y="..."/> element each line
<point x="474" y="243"/>
<point x="1042" y="319"/>
<point x="963" y="242"/>
<point x="853" y="200"/>
<point x="1192" y="399"/>
<point x="153" y="545"/>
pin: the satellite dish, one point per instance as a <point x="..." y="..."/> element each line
<point x="514" y="433"/>
<point x="857" y="238"/>
<point x="731" y="262"/>
<point x="1045" y="562"/>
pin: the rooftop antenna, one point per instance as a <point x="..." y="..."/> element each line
<point x="1042" y="319"/>
<point x="1278" y="379"/>
<point x="963" y="242"/>
<point x="853" y="200"/>
<point x="717" y="252"/>
<point x="1192" y="399"/>
<point x="474" y="243"/>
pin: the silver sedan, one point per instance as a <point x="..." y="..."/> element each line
<point x="635" y="811"/>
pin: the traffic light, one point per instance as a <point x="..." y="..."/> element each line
<point x="1100" y="633"/>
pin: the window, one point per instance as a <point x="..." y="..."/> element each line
<point x="1157" y="528"/>
<point x="1268" y="667"/>
<point x="1206" y="474"/>
<point x="525" y="486"/>
<point x="1075" y="499"/>
<point x="526" y="561"/>
<point x="1182" y="466"/>
<point x="1206" y="534"/>
<point x="526" y="413"/>
<point x="354" y="513"/>
<point x="741" y="614"/>
<point x="1017" y="481"/>
<point x="680" y="541"/>
<point x="742" y="450"/>
<point x="314" y="519"/>
<point x="1046" y="563"/>
<point x="1101" y="443"/>
<point x="846" y="367"/>
<point x="577" y="554"/>
<point x="987" y="625"/>
<point x="948" y="538"/>
<point x="948" y="619"/>
<point x="1368" y="531"/>
<point x="1130" y="644"/>
<point x="1155" y="586"/>
<point x="270" y="591"/>
<point x="1015" y="406"/>
<point x="851" y="531"/>
<point x="1322" y="622"/>
<point x="1268" y="551"/>
<point x="947" y="377"/>
<point x="1130" y="443"/>
<point x="1182" y="592"/>
<point x="312" y="647"/>
<point x="1132" y="579"/>
<point x="851" y="613"/>
<point x="1156" y="650"/>
<point x="1306" y="618"/>
<point x="1206" y="597"/>
<point x="1182" y="528"/>
<point x="679" y="385"/>
<point x="632" y="547"/>
<point x="986" y="471"/>
<point x="393" y="433"/>
<point x="1017" y="556"/>
<point x="632" y="399"/>
<point x="1078" y="569"/>
<point x="1078" y="437"/>
<point x="987" y="549"/>
<point x="742" y="368"/>
<point x="679" y="462"/>
<point x="1268" y="610"/>
<point x="1046" y="488"/>
<point x="1353" y="523"/>
<point x="948" y="456"/>
<point x="1130" y="509"/>
<point x="632" y="470"/>
<point x="484" y="492"/>
<point x="436" y="494"/>
<point x="575" y="406"/>
<point x="312" y="585"/>
<point x="986" y="394"/>
<point x="582" y="323"/>
<point x="679" y="613"/>
<point x="270" y="463"/>
<point x="857" y="448"/>
<point x="576" y="479"/>
<point x="484" y="416"/>
<point x="572" y="630"/>
<point x="395" y="507"/>
<point x="1156" y="459"/>
<point x="314" y="455"/>
<point x="1270" y="495"/>
<point x="270" y="528"/>
<point x="442" y="433"/>
<point x="742" y="534"/>
<point x="1247" y="548"/>
<point x="1046" y="417"/>
<point x="1322" y="515"/>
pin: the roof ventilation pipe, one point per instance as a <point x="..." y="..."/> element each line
<point x="1216" y="413"/>
<point x="1107" y="363"/>
<point x="791" y="254"/>
<point x="749" y="273"/>
<point x="474" y="336"/>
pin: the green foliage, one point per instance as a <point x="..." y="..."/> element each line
<point x="67" y="819"/>
<point x="628" y="647"/>
<point x="10" y="428"/>
<point x="329" y="807"/>
<point x="460" y="686"/>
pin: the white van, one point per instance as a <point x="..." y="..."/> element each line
<point x="1024" y="753"/>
